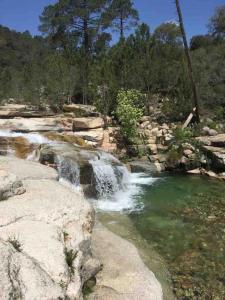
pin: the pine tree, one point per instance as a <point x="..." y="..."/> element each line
<point x="77" y="20"/>
<point x="123" y="15"/>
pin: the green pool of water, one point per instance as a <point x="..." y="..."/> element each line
<point x="183" y="220"/>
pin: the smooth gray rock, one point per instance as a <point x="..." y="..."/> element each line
<point x="142" y="167"/>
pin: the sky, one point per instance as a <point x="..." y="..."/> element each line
<point x="23" y="15"/>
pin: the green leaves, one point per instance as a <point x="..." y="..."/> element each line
<point x="130" y="108"/>
<point x="217" y="23"/>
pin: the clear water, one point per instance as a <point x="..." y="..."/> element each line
<point x="183" y="219"/>
<point x="177" y="222"/>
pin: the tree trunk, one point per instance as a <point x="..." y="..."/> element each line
<point x="121" y="26"/>
<point x="190" y="69"/>
<point x="86" y="62"/>
<point x="86" y="56"/>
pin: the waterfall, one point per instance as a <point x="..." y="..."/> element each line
<point x="105" y="179"/>
<point x="68" y="170"/>
<point x="98" y="174"/>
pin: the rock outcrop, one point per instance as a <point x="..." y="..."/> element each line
<point x="36" y="124"/>
<point x="92" y="137"/>
<point x="45" y="246"/>
<point x="139" y="166"/>
<point x="87" y="123"/>
<point x="80" y="110"/>
<point x="124" y="275"/>
<point x="21" y="110"/>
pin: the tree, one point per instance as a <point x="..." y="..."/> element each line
<point x="168" y="33"/>
<point x="217" y="23"/>
<point x="193" y="84"/>
<point x="80" y="21"/>
<point x="201" y="41"/>
<point x="123" y="15"/>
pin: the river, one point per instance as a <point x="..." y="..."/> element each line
<point x="176" y="222"/>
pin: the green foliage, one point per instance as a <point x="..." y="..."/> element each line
<point x="220" y="113"/>
<point x="74" y="60"/>
<point x="88" y="287"/>
<point x="168" y="33"/>
<point x="130" y="107"/>
<point x="70" y="256"/>
<point x="122" y="15"/>
<point x="201" y="41"/>
<point x="183" y="135"/>
<point x="174" y="155"/>
<point x="217" y="22"/>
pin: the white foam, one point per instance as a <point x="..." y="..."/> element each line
<point x="33" y="138"/>
<point x="127" y="197"/>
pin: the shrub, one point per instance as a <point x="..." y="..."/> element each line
<point x="130" y="108"/>
<point x="174" y="155"/>
<point x="183" y="135"/>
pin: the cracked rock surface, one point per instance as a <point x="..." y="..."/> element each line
<point x="45" y="231"/>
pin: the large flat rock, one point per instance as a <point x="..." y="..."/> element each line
<point x="36" y="124"/>
<point x="24" y="169"/>
<point x="216" y="156"/>
<point x="215" y="141"/>
<point x="124" y="275"/>
<point x="81" y="110"/>
<point x="87" y="123"/>
<point x="21" y="110"/>
<point x="45" y="245"/>
<point x="92" y="135"/>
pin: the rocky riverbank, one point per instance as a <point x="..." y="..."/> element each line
<point x="45" y="234"/>
<point x="161" y="146"/>
<point x="47" y="247"/>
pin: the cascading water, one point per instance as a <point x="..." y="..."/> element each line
<point x="115" y="188"/>
<point x="68" y="170"/>
<point x="32" y="138"/>
<point x="105" y="178"/>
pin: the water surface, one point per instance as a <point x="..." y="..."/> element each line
<point x="182" y="218"/>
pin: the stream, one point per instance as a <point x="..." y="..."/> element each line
<point x="183" y="220"/>
<point x="176" y="222"/>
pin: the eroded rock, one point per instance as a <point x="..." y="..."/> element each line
<point x="44" y="237"/>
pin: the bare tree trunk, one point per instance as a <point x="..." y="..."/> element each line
<point x="190" y="69"/>
<point x="121" y="26"/>
<point x="86" y="56"/>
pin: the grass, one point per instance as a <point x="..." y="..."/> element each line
<point x="15" y="243"/>
<point x="70" y="256"/>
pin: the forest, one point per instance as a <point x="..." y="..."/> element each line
<point x="91" y="50"/>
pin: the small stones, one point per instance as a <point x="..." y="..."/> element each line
<point x="208" y="131"/>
